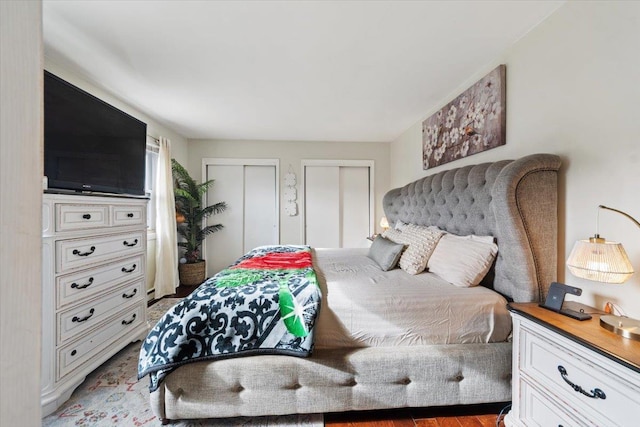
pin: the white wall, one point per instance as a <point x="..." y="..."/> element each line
<point x="20" y="211"/>
<point x="573" y="89"/>
<point x="291" y="153"/>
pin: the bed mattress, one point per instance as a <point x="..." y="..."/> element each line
<point x="364" y="306"/>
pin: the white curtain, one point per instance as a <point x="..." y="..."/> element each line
<point x="166" y="237"/>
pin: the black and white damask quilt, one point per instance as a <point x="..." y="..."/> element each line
<point x="265" y="303"/>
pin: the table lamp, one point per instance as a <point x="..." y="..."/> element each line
<point x="384" y="224"/>
<point x="602" y="261"/>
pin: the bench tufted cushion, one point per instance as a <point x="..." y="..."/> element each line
<point x="338" y="380"/>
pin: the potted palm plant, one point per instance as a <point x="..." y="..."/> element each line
<point x="191" y="226"/>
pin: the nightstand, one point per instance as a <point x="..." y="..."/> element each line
<point x="571" y="373"/>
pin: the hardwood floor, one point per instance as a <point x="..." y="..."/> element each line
<point x="181" y="292"/>
<point x="453" y="416"/>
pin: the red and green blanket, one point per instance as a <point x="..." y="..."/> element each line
<point x="265" y="303"/>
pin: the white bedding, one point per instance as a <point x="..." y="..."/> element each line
<point x="364" y="306"/>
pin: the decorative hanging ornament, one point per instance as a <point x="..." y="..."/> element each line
<point x="290" y="194"/>
<point x="291" y="208"/>
<point x="290" y="179"/>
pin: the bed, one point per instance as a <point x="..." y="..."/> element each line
<point x="425" y="361"/>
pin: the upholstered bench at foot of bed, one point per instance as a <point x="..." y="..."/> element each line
<point x="434" y="375"/>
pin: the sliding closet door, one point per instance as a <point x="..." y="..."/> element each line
<point x="251" y="218"/>
<point x="260" y="209"/>
<point x="322" y="206"/>
<point x="355" y="205"/>
<point x="338" y="207"/>
<point x="222" y="246"/>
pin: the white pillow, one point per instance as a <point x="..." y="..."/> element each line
<point x="420" y="242"/>
<point x="463" y="260"/>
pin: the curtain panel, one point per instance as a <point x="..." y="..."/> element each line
<point x="166" y="280"/>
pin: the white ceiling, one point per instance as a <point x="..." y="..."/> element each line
<point x="284" y="70"/>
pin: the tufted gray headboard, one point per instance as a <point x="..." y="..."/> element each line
<point x="513" y="200"/>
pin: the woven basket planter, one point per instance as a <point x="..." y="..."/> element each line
<point x="192" y="274"/>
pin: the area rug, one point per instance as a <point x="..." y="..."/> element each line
<point x="112" y="395"/>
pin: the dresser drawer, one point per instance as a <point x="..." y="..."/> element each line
<point x="81" y="217"/>
<point x="128" y="215"/>
<point x="78" y="253"/>
<point x="553" y="365"/>
<point x="537" y="409"/>
<point x="87" y="283"/>
<point x="79" y="319"/>
<point x="82" y="351"/>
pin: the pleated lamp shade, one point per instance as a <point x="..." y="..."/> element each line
<point x="384" y="223"/>
<point x="600" y="261"/>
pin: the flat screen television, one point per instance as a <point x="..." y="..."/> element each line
<point x="89" y="145"/>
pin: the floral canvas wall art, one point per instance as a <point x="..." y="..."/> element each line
<point x="473" y="122"/>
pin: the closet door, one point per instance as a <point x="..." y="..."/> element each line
<point x="338" y="206"/>
<point x="223" y="246"/>
<point x="260" y="209"/>
<point x="354" y="206"/>
<point x="322" y="206"/>
<point x="251" y="218"/>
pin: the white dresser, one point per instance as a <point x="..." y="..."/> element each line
<point x="571" y="373"/>
<point x="93" y="286"/>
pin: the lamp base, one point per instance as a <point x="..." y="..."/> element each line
<point x="625" y="326"/>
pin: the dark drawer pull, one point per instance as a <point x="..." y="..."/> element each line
<point x="124" y="322"/>
<point x="131" y="270"/>
<point x="79" y="320"/>
<point x="129" y="215"/>
<point x="73" y="353"/>
<point x="91" y="250"/>
<point x="135" y="242"/>
<point x="86" y="216"/>
<point x="131" y="295"/>
<point x="74" y="285"/>
<point x="596" y="393"/>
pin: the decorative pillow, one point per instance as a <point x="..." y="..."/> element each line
<point x="399" y="225"/>
<point x="393" y="234"/>
<point x="385" y="252"/>
<point x="421" y="242"/>
<point x="463" y="260"/>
